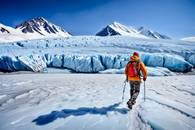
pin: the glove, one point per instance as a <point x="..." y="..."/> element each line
<point x="144" y="78"/>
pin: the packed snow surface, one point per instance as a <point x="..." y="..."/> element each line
<point x="93" y="101"/>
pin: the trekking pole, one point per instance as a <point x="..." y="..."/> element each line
<point x="124" y="90"/>
<point x="144" y="92"/>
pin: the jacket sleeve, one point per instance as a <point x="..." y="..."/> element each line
<point x="144" y="70"/>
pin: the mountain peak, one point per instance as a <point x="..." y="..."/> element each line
<point x="3" y="29"/>
<point x="150" y="33"/>
<point x="115" y="24"/>
<point x="117" y="28"/>
<point x="40" y="19"/>
<point x="129" y="29"/>
<point x="41" y="26"/>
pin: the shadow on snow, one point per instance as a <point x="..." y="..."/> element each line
<point x="48" y="118"/>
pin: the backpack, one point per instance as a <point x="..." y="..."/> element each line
<point x="133" y="69"/>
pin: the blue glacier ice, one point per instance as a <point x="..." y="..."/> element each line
<point x="78" y="63"/>
<point x="173" y="62"/>
<point x="97" y="64"/>
<point x="191" y="59"/>
<point x="91" y="54"/>
<point x="83" y="63"/>
<point x="22" y="63"/>
<point x="177" y="64"/>
<point x="48" y="58"/>
<point x="11" y="64"/>
<point x="153" y="59"/>
<point x="33" y="63"/>
<point x="56" y="61"/>
<point x="90" y="63"/>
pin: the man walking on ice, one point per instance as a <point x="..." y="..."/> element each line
<point x="132" y="71"/>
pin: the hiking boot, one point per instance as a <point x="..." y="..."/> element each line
<point x="129" y="104"/>
<point x="133" y="102"/>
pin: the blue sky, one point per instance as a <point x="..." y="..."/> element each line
<point x="175" y="18"/>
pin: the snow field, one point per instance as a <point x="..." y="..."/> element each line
<point x="92" y="101"/>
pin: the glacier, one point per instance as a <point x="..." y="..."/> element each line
<point x="22" y="63"/>
<point x="93" y="54"/>
<point x="191" y="59"/>
<point x="59" y="101"/>
<point x="10" y="64"/>
<point x="89" y="63"/>
<point x="33" y="63"/>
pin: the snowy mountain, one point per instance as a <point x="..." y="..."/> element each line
<point x="190" y="39"/>
<point x="41" y="27"/>
<point x="3" y="29"/>
<point x="9" y="34"/>
<point x="36" y="28"/>
<point x="151" y="34"/>
<point x="119" y="29"/>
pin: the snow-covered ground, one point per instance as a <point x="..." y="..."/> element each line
<point x="92" y="101"/>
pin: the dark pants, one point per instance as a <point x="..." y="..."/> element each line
<point x="134" y="90"/>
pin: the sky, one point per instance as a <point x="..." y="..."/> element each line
<point x="175" y="18"/>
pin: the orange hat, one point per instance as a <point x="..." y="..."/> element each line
<point x="136" y="54"/>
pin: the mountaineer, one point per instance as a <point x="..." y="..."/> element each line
<point x="133" y="76"/>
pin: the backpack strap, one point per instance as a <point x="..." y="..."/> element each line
<point x="137" y="63"/>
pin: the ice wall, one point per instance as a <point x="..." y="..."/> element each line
<point x="91" y="63"/>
